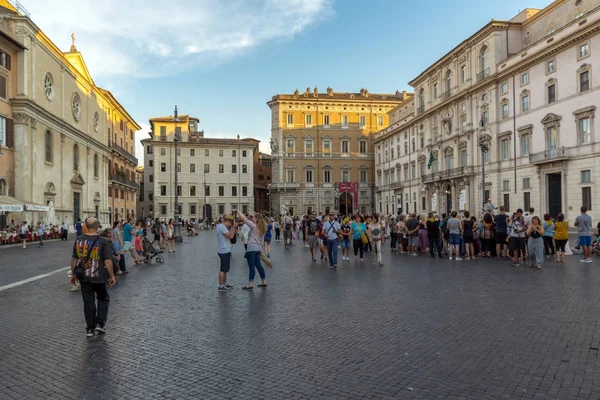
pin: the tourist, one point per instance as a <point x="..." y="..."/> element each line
<point x="171" y="236"/>
<point x="312" y="230"/>
<point x="245" y="232"/>
<point x="445" y="237"/>
<point x="41" y="231"/>
<point x="288" y="224"/>
<point x="267" y="239"/>
<point x="433" y="236"/>
<point x="517" y="236"/>
<point x="423" y="238"/>
<point x="128" y="244"/>
<point x="402" y="240"/>
<point x="79" y="227"/>
<point x="257" y="232"/>
<point x="393" y="234"/>
<point x="467" y="235"/>
<point x="346" y="235"/>
<point x="277" y="230"/>
<point x="65" y="231"/>
<point x="156" y="232"/>
<point x="412" y="231"/>
<point x="225" y="232"/>
<point x="486" y="235"/>
<point x="583" y="222"/>
<point x="501" y="233"/>
<point x="561" y="237"/>
<point x="358" y="230"/>
<point x="376" y="237"/>
<point x="118" y="246"/>
<point x="535" y="243"/>
<point x="332" y="228"/>
<point x="548" y="235"/>
<point x="92" y="265"/>
<point x="455" y="235"/>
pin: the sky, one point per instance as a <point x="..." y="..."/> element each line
<point x="222" y="60"/>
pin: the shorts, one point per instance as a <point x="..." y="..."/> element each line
<point x="468" y="239"/>
<point x="517" y="243"/>
<point x="454" y="239"/>
<point x="345" y="243"/>
<point x="225" y="262"/>
<point x="267" y="240"/>
<point x="313" y="241"/>
<point x="413" y="241"/>
<point x="585" y="241"/>
<point x="22" y="236"/>
<point x="140" y="252"/>
<point x="156" y="237"/>
<point x="501" y="238"/>
<point x="560" y="245"/>
<point x="126" y="246"/>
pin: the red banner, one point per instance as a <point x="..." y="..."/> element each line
<point x="352" y="188"/>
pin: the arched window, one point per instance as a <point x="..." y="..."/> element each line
<point x="483" y="60"/>
<point x="95" y="165"/>
<point x="48" y="145"/>
<point x="421" y="98"/>
<point x="2" y="187"/>
<point x="75" y="157"/>
<point x="448" y="81"/>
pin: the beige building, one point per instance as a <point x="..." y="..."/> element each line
<point x="526" y="89"/>
<point x="217" y="173"/>
<point x="319" y="140"/>
<point x="62" y="123"/>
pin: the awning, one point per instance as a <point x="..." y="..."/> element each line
<point x="10" y="204"/>
<point x="37" y="207"/>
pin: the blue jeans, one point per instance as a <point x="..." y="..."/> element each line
<point x="332" y="250"/>
<point x="254" y="264"/>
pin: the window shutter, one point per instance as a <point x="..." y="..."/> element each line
<point x="8" y="61"/>
<point x="3" y="89"/>
<point x="10" y="137"/>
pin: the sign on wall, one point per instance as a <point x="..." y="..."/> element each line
<point x="462" y="200"/>
<point x="434" y="202"/>
<point x="352" y="188"/>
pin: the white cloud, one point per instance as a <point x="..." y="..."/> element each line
<point x="152" y="38"/>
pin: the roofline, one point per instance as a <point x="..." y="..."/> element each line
<point x="11" y="40"/>
<point x="118" y="105"/>
<point x="392" y="98"/>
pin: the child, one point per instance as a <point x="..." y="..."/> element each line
<point x="138" y="246"/>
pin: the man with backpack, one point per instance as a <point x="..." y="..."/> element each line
<point x="311" y="230"/>
<point x="288" y="225"/>
<point x="331" y="228"/>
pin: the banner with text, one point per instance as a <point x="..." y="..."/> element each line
<point x="351" y="188"/>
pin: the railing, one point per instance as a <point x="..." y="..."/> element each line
<point x="284" y="185"/>
<point x="124" y="153"/>
<point x="483" y="74"/>
<point x="550" y="155"/>
<point x="447" y="94"/>
<point x="124" y="181"/>
<point x="449" y="173"/>
<point x="397" y="185"/>
<point x="420" y="110"/>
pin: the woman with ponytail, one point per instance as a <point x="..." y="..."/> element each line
<point x="255" y="238"/>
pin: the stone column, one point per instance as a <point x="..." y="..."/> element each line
<point x="23" y="170"/>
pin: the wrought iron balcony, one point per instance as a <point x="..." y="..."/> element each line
<point x="124" y="153"/>
<point x="124" y="181"/>
<point x="562" y="153"/>
<point x="483" y="74"/>
<point x="447" y="174"/>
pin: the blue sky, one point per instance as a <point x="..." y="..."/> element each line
<point x="222" y="61"/>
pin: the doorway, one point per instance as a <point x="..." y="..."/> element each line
<point x="207" y="212"/>
<point x="554" y="194"/>
<point x="346" y="203"/>
<point x="76" y="206"/>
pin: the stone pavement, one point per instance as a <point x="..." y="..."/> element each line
<point x="416" y="329"/>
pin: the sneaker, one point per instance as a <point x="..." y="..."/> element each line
<point x="322" y="257"/>
<point x="124" y="273"/>
<point x="314" y="259"/>
<point x="224" y="289"/>
<point x="583" y="260"/>
<point x="100" y="329"/>
<point x="74" y="288"/>
<point x="450" y="258"/>
<point x="227" y="285"/>
<point x="588" y="260"/>
<point x="458" y="259"/>
<point x="89" y="332"/>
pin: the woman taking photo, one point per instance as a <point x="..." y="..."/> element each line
<point x="535" y="243"/>
<point x="255" y="236"/>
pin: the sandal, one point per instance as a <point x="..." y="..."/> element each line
<point x="539" y="267"/>
<point x="248" y="288"/>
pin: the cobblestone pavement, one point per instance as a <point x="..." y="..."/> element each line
<point x="416" y="329"/>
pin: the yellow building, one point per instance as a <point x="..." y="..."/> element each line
<point x="321" y="140"/>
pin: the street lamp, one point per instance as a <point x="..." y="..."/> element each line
<point x="177" y="226"/>
<point x="484" y="149"/>
<point x="205" y="205"/>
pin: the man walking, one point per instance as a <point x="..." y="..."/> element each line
<point x="311" y="230"/>
<point x="225" y="232"/>
<point x="128" y="231"/>
<point x="92" y="265"/>
<point x="583" y="222"/>
<point x="331" y="228"/>
<point x="288" y="225"/>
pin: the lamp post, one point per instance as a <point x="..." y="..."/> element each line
<point x="177" y="225"/>
<point x="484" y="149"/>
<point x="205" y="205"/>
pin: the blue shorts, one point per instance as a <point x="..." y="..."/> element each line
<point x="345" y="243"/>
<point x="454" y="239"/>
<point x="585" y="240"/>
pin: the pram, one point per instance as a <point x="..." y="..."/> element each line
<point x="151" y="252"/>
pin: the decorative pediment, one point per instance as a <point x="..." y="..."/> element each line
<point x="77" y="179"/>
<point x="503" y="134"/>
<point x="462" y="144"/>
<point x="524" y="128"/>
<point x="398" y="166"/>
<point x="309" y="166"/>
<point x="326" y="166"/>
<point x="585" y="112"/>
<point x="76" y="60"/>
<point x="421" y="158"/>
<point x="448" y="150"/>
<point x="484" y="137"/>
<point x="310" y="137"/>
<point x="551" y="119"/>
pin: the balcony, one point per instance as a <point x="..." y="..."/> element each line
<point x="483" y="74"/>
<point x="124" y="153"/>
<point x="548" y="156"/>
<point x="427" y="178"/>
<point x="447" y="174"/>
<point x="397" y="185"/>
<point x="124" y="181"/>
<point x="284" y="185"/>
<point x="420" y="110"/>
<point x="447" y="94"/>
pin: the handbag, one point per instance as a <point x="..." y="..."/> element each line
<point x="233" y="240"/>
<point x="84" y="263"/>
<point x="364" y="238"/>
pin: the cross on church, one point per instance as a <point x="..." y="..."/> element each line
<point x="73" y="48"/>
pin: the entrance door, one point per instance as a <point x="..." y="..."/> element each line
<point x="207" y="212"/>
<point x="554" y="194"/>
<point x="76" y="206"/>
<point x="346" y="203"/>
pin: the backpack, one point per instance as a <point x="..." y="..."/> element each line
<point x="376" y="234"/>
<point x="444" y="226"/>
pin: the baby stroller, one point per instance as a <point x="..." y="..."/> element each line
<point x="151" y="252"/>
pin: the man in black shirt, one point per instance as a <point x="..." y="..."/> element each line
<point x="433" y="234"/>
<point x="92" y="265"/>
<point x="501" y="233"/>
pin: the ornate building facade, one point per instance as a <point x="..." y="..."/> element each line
<point x="321" y="140"/>
<point x="262" y="179"/>
<point x="517" y="98"/>
<point x="63" y="127"/>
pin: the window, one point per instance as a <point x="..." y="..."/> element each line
<point x="448" y="82"/>
<point x="163" y="151"/>
<point x="586" y="176"/>
<point x="463" y="158"/>
<point x="192" y="167"/>
<point x="506" y="185"/>
<point x="463" y="125"/>
<point x="221" y="168"/>
<point x="483" y="61"/>
<point x="290" y="119"/>
<point x="524" y="78"/>
<point x="178" y="167"/>
<point x="206" y="152"/>
<point x="550" y="66"/>
<point x="525" y="145"/>
<point x="345" y="146"/>
<point x="207" y="190"/>
<point x="505" y="110"/>
<point x="308" y="147"/>
<point x="149" y="149"/>
<point x="75" y="157"/>
<point x="327" y="176"/>
<point x="290" y="175"/>
<point x="584" y="51"/>
<point x="584" y="81"/>
<point x="551" y="90"/>
<point x="290" y="147"/>
<point x="96" y="166"/>
<point x="526" y="183"/>
<point x="220" y="152"/>
<point x="506" y="201"/>
<point x="163" y="209"/>
<point x="206" y="168"/>
<point x="48" y="146"/>
<point x="192" y="153"/>
<point x="586" y="197"/>
<point x="344" y="120"/>
<point x="244" y="169"/>
<point x="421" y="99"/>
<point x="163" y="167"/>
<point x="309" y="176"/>
<point x="309" y="120"/>
<point x="163" y="133"/>
<point x="362" y="121"/>
<point x="150" y="178"/>
<point x="326" y="119"/>
<point x="244" y="153"/>
<point x="449" y="162"/>
<point x="327" y="147"/>
<point x="233" y="153"/>
<point x="526" y="200"/>
<point x="245" y="191"/>
<point x="233" y="168"/>
<point x="525" y="102"/>
<point x="345" y="175"/>
<point x="179" y="152"/>
<point x="234" y="191"/>
<point x="363" y="176"/>
<point x="422" y="169"/>
<point x="221" y="191"/>
<point x="435" y="90"/>
<point x="504" y="88"/>
<point x="362" y="147"/>
<point x="463" y="74"/>
<point x="484" y="117"/>
<point x="192" y="209"/>
<point x="551" y="138"/>
<point x="505" y="149"/>
<point x="584" y="130"/>
<point x="414" y="148"/>
<point x="380" y="120"/>
<point x="3" y="87"/>
<point x="221" y="209"/>
<point x="245" y="209"/>
<point x="179" y="191"/>
<point x="163" y="190"/>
